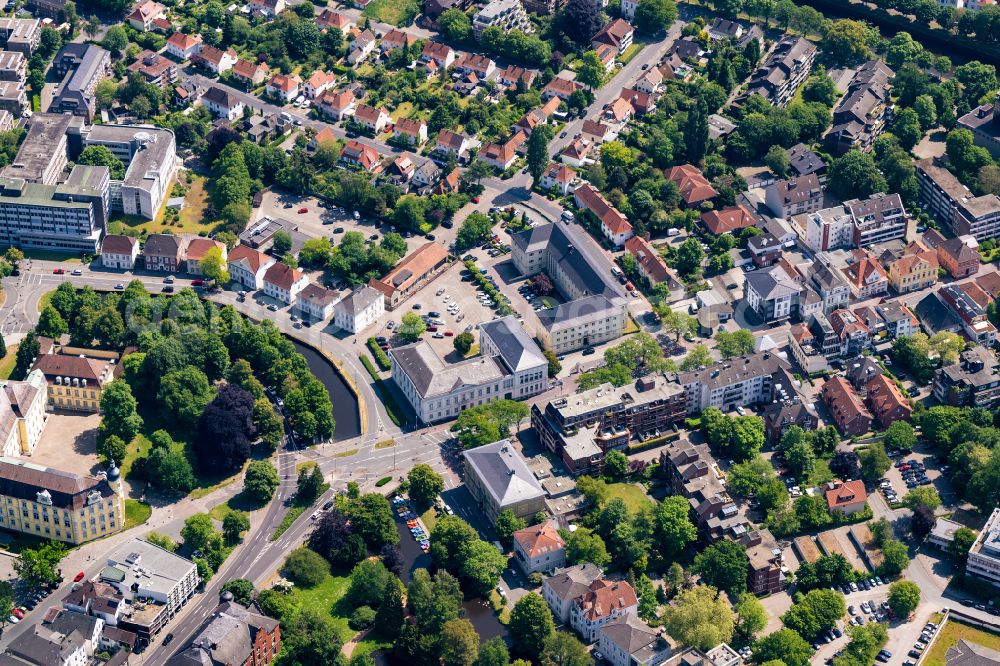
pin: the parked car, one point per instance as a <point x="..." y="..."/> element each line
<point x="80" y="576"/>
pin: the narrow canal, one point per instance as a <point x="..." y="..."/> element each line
<point x="345" y="403"/>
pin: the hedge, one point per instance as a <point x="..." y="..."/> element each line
<point x="388" y="401"/>
<point x="503" y="309"/>
<point x="384" y="480"/>
<point x="653" y="443"/>
<point x="380" y="356"/>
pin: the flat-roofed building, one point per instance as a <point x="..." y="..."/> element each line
<point x="75" y="93"/>
<point x="984" y="555"/>
<point x="21" y="34"/>
<point x="498" y="479"/>
<point x="52" y="504"/>
<point x="949" y="201"/>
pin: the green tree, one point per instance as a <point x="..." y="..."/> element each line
<point x="904" y="597"/>
<point x="493" y="653"/>
<point x="111" y="448"/>
<point x="309" y="485"/>
<point x="455" y="25"/>
<point x="391" y="615"/>
<point x="700" y="618"/>
<point x="282" y="243"/>
<point x="102" y="156"/>
<point x="899" y="435"/>
<point x="459" y="643"/>
<point x="689" y="257"/>
<point x="737" y="343"/>
<point x="696" y="133"/>
<point x="51" y="324"/>
<point x="463" y="342"/>
<point x="777" y="161"/>
<point x="213" y="266"/>
<point x="184" y="394"/>
<point x="530" y="624"/>
<point x="680" y="324"/>
<point x="36" y="566"/>
<point x="412" y="327"/>
<point x="591" y="71"/>
<point x="874" y="461"/>
<point x="751" y="618"/>
<point x="816" y="612"/>
<point x="906" y="127"/>
<point x="372" y="519"/>
<point x="425" y="484"/>
<point x="896" y="558"/>
<point x="27" y="351"/>
<point x="582" y="545"/>
<point x="538" y="151"/>
<point x="563" y="649"/>
<point x="115" y="39"/>
<point x="489" y="422"/>
<point x="616" y="464"/>
<point x="723" y="565"/>
<point x="962" y="541"/>
<point x="785" y="646"/>
<point x="119" y="408"/>
<point x="653" y="16"/>
<point x="508" y="523"/>
<point x="846" y="42"/>
<point x="260" y="480"/>
<point x="234" y="525"/>
<point x="922" y="496"/>
<point x="672" y="526"/>
<point x="306" y="567"/>
<point x="855" y="174"/>
<point x="474" y="229"/>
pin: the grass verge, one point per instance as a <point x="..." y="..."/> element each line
<point x="8" y="362"/>
<point x="136" y="513"/>
<point x="952" y="633"/>
<point x="385" y="444"/>
<point x="388" y="401"/>
<point x="45" y="300"/>
<point x="287" y="521"/>
<point x="346" y="454"/>
<point x="633" y="496"/>
<point x="429" y="517"/>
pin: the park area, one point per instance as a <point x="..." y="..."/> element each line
<point x="952" y="633"/>
<point x="394" y="12"/>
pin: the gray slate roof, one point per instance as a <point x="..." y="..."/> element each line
<point x="504" y="473"/>
<point x="772" y="282"/>
<point x="431" y="376"/>
<point x="516" y="348"/>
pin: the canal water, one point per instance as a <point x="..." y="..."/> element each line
<point x="476" y="610"/>
<point x="345" y="403"/>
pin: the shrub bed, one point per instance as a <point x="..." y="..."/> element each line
<point x="384" y="480"/>
<point x="380" y="356"/>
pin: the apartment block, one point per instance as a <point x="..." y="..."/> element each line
<point x="785" y="69"/>
<point x="506" y="15"/>
<point x="954" y="204"/>
<point x="972" y="381"/>
<point x="984" y="556"/>
<point x="862" y="114"/>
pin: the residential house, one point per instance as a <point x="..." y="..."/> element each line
<point x="361" y="156"/>
<point x="564" y="586"/>
<point x="284" y="87"/>
<point x="972" y="381"/>
<point x="558" y="177"/>
<point x="410" y="131"/>
<point x="561" y="88"/>
<point x="619" y="111"/>
<point x="794" y="196"/>
<point x="802" y="161"/>
<point x="765" y="570"/>
<point x="449" y="184"/>
<point x="359" y="310"/>
<point x="614" y="225"/>
<point x="155" y="69"/>
<point x="617" y="33"/>
<point x="598" y="131"/>
<point x="426" y="174"/>
<point x="182" y="46"/>
<point x="862" y="114"/>
<point x="607" y="54"/>
<point x="969" y="302"/>
<point x="501" y="156"/>
<point x="361" y="47"/>
<point x="401" y="170"/>
<point x="267" y="7"/>
<point x="215" y="60"/>
<point x="539" y="548"/>
<point x="877" y="219"/>
<point x="650" y="264"/>
<point x="119" y="252"/>
<point x="452" y="143"/>
<point x="474" y="63"/>
<point x="721" y="29"/>
<point x="865" y="275"/>
<point x="247" y="266"/>
<point x="772" y="293"/>
<point x="397" y="39"/>
<point x="983" y="122"/>
<point x="627" y="9"/>
<point x="440" y="54"/>
<point x="163" y="253"/>
<point x="329" y="19"/>
<point x="145" y="13"/>
<point x="284" y="283"/>
<point x="198" y="249"/>
<point x="730" y="220"/>
<point x="692" y="184"/>
<point x="263" y="129"/>
<point x="899" y="319"/>
<point x="250" y="73"/>
<point x="498" y="479"/>
<point x="577" y="152"/>
<point x="234" y="634"/>
<point x="959" y="256"/>
<point x="222" y="103"/>
<point x="372" y="119"/>
<point x="336" y="105"/>
<point x="765" y="249"/>
<point x="886" y="402"/>
<point x="848" y="411"/>
<point x="316" y="303"/>
<point x="513" y="76"/>
<point x="627" y="640"/>
<point x="852" y="332"/>
<point x="847" y="498"/>
<point x="650" y="82"/>
<point x="318" y="83"/>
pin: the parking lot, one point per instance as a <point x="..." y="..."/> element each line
<point x="926" y="463"/>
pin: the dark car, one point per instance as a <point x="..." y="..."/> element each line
<point x="431" y="237"/>
<point x="338" y="230"/>
<point x="167" y="639"/>
<point x="468" y="257"/>
<point x="168" y="289"/>
<point x="589" y="351"/>
<point x="326" y="507"/>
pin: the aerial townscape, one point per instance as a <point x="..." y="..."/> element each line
<point x="499" y="333"/>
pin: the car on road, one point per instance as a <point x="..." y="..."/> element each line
<point x="303" y="210"/>
<point x="168" y="289"/>
<point x="169" y="279"/>
<point x="328" y="505"/>
<point x="589" y="351"/>
<point x="338" y="230"/>
<point x="13" y="619"/>
<point x="272" y="307"/>
<point x="119" y="286"/>
<point x="80" y="576"/>
<point x="197" y="283"/>
<point x="77" y="272"/>
<point x="58" y="271"/>
<point x="18" y="613"/>
<point x="475" y="200"/>
<point x="168" y="639"/>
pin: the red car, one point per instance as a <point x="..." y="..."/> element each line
<point x="475" y="200"/>
<point x="58" y="271"/>
<point x="80" y="576"/>
<point x="303" y="210"/>
<point x="197" y="283"/>
<point x="432" y="329"/>
<point x="18" y="613"/>
<point x="448" y="334"/>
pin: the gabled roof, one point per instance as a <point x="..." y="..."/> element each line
<point x="772" y="282"/>
<point x="283" y="276"/>
<point x="118" y="244"/>
<point x="539" y="539"/>
<point x="614" y="32"/>
<point x="409" y="126"/>
<point x="338" y="100"/>
<point x="369" y="114"/>
<point x="182" y="41"/>
<point x="514" y="346"/>
<point x="728" y="220"/>
<point x="594" y="201"/>
<point x="248" y="257"/>
<point x="221" y="97"/>
<point x="285" y="83"/>
<point x="247" y="70"/>
<point x="693" y="185"/>
<point x="865" y="269"/>
<point x="163" y="245"/>
<point x="198" y="247"/>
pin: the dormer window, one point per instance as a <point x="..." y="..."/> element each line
<point x="93" y="497"/>
<point x="44" y="497"/>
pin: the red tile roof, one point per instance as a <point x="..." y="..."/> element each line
<point x="846" y="493"/>
<point x="693" y="185"/>
<point x="728" y="220"/>
<point x="248" y="256"/>
<point x="539" y="539"/>
<point x="283" y="276"/>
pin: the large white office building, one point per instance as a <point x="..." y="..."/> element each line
<point x="984" y="556"/>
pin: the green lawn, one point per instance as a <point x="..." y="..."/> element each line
<point x="430" y="518"/>
<point x="44" y="255"/>
<point x="954" y="632"/>
<point x="631" y="52"/>
<point x="385" y="444"/>
<point x="635" y="498"/>
<point x="8" y="362"/>
<point x="287" y="521"/>
<point x="137" y="448"/>
<point x="190" y="220"/>
<point x="136" y="513"/>
<point x="395" y="12"/>
<point x="821" y="474"/>
<point x="325" y="599"/>
<point x="44" y="301"/>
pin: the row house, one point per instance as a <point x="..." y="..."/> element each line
<point x="848" y="411"/>
<point x="502" y="156"/>
<point x="694" y="188"/>
<point x="898" y="319"/>
<point x="440" y="54"/>
<point x="474" y="63"/>
<point x="559" y="178"/>
<point x="969" y="302"/>
<point x="371" y="118"/>
<point x="412" y="132"/>
<point x="336" y="105"/>
<point x="886" y="402"/>
<point x="453" y="143"/>
<point x="250" y="73"/>
<point x="247" y="266"/>
<point x="284" y="87"/>
<point x="361" y="47"/>
<point x="617" y="33"/>
<point x="772" y="293"/>
<point x="915" y="270"/>
<point x="561" y="88"/>
<point x="361" y="156"/>
<point x="794" y="196"/>
<point x="183" y="47"/>
<point x="316" y="303"/>
<point x="614" y="225"/>
<point x="397" y="39"/>
<point x="865" y="275"/>
<point x="215" y="60"/>
<point x="517" y="77"/>
<point x="642" y="103"/>
<point x="163" y="253"/>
